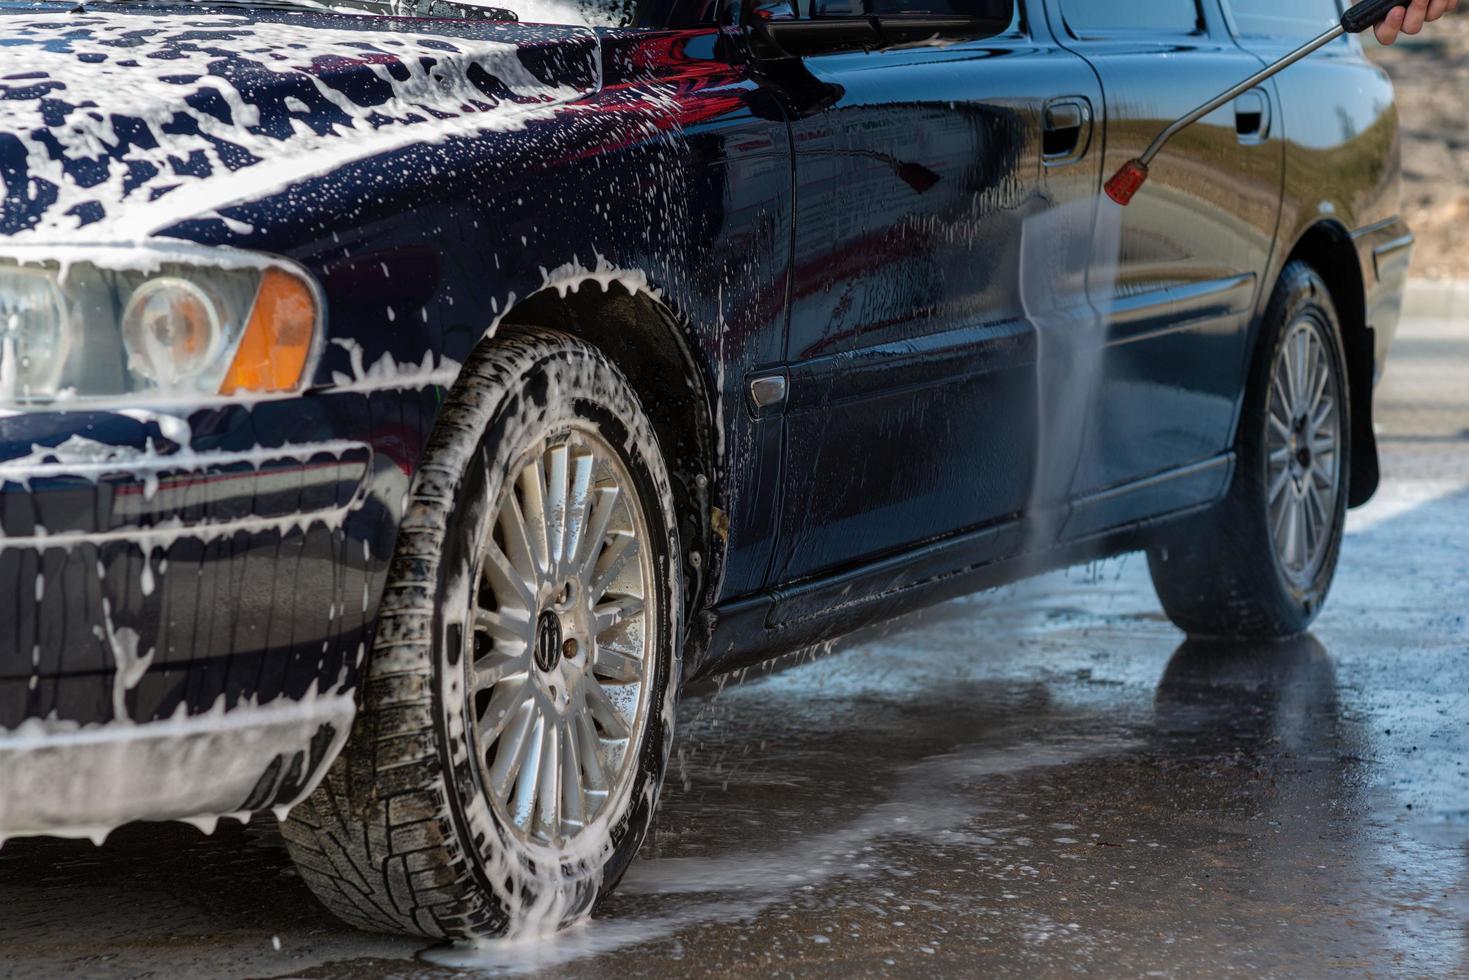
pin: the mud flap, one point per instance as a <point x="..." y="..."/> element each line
<point x="1361" y="348"/>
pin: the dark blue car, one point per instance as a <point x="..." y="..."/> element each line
<point x="397" y="406"/>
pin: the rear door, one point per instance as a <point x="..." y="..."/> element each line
<point x="1192" y="250"/>
<point x="920" y="157"/>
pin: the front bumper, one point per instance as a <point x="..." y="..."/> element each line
<point x="186" y="598"/>
<point x="155" y="562"/>
<point x="69" y="781"/>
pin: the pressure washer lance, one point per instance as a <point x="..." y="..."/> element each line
<point x="1130" y="179"/>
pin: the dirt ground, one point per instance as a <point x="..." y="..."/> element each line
<point x="1045" y="780"/>
<point x="1431" y="72"/>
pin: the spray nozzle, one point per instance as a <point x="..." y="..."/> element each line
<point x="1127" y="182"/>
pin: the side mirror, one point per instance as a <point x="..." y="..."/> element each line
<point x="765" y="10"/>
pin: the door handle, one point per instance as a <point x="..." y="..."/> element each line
<point x="1252" y="116"/>
<point x="1066" y="130"/>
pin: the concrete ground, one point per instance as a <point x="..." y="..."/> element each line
<point x="1044" y="780"/>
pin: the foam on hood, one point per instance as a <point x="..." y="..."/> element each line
<point x="114" y="125"/>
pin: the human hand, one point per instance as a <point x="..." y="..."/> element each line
<point x="1411" y="18"/>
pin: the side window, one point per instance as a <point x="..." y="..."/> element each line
<point x="1302" y="19"/>
<point x="945" y="8"/>
<point x="837" y="8"/>
<point x="820" y="27"/>
<point x="1102" y="18"/>
<point x="809" y="27"/>
<point x="684" y="14"/>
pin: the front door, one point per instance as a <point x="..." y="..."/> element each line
<point x="911" y="363"/>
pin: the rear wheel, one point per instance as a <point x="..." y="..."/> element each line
<point x="518" y="703"/>
<point x="1261" y="563"/>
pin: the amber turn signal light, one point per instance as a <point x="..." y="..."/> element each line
<point x="277" y="341"/>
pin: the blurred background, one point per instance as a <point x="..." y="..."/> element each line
<point x="1431" y="72"/>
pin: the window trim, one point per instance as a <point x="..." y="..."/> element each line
<point x="844" y="33"/>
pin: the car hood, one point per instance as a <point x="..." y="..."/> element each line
<point x="116" y="122"/>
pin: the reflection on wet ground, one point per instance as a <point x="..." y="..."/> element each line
<point x="1040" y="780"/>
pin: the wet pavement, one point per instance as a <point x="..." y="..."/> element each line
<point x="1041" y="780"/>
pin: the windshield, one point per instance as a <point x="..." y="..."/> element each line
<point x="588" y="13"/>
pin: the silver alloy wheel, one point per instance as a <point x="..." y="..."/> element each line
<point x="561" y="655"/>
<point x="1303" y="443"/>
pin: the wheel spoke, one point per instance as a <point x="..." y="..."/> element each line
<point x="589" y="753"/>
<point x="1281" y="397"/>
<point x="613" y="560"/>
<point x="509" y="586"/>
<point x="1288" y="368"/>
<point x="610" y="615"/>
<point x="495" y="667"/>
<point x="548" y="789"/>
<point x="523" y="802"/>
<point x="573" y="794"/>
<point x="604" y="711"/>
<point x="1285" y="530"/>
<point x="1300" y="366"/>
<point x="533" y="495"/>
<point x="518" y="540"/>
<point x="604" y="503"/>
<point x="504" y="625"/>
<point x="617" y="665"/>
<point x="507" y="702"/>
<point x="1316" y="512"/>
<point x="1309" y="369"/>
<point x="1301" y="549"/>
<point x="511" y="751"/>
<point x="1320" y="377"/>
<point x="556" y="488"/>
<point x="1277" y="523"/>
<point x="577" y="510"/>
<point x="1278" y="485"/>
<point x="1325" y="412"/>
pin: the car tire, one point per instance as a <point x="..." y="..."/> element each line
<point x="1260" y="563"/>
<point x="426" y="824"/>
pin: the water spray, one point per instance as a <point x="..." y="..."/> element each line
<point x="1130" y="179"/>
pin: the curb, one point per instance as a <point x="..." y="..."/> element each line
<point x="1437" y="300"/>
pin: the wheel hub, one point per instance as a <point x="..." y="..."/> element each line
<point x="1300" y="447"/>
<point x="548" y="641"/>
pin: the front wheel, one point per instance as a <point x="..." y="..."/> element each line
<point x="1261" y="563"/>
<point x="517" y="709"/>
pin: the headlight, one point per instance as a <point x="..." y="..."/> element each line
<point x="168" y="320"/>
<point x="171" y="329"/>
<point x="34" y="333"/>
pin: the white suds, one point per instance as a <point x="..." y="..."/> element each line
<point x="67" y="780"/>
<point x="179" y="159"/>
<point x="387" y="374"/>
<point x="123" y="642"/>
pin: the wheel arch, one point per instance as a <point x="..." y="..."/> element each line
<point x="648" y="341"/>
<point x="1327" y="247"/>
